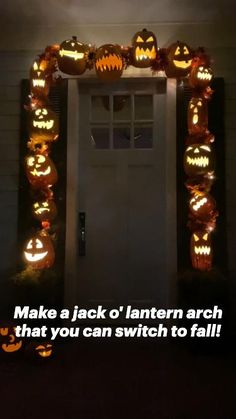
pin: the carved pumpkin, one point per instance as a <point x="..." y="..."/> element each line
<point x="39" y="252"/>
<point x="201" y="76"/>
<point x="43" y="125"/>
<point x="202" y="205"/>
<point x="197" y="116"/>
<point x="39" y="84"/>
<point x="179" y="59"/>
<point x="108" y="62"/>
<point x="201" y="250"/>
<point x="144" y="48"/>
<point x="44" y="210"/>
<point x="72" y="56"/>
<point x="40" y="351"/>
<point x="198" y="160"/>
<point x="9" y="343"/>
<point x="40" y="171"/>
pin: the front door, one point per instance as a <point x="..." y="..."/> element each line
<point x="122" y="254"/>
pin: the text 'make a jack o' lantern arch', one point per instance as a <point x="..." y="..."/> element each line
<point x="73" y="57"/>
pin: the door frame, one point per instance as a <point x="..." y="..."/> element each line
<point x="72" y="233"/>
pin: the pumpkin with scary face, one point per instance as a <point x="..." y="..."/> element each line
<point x="9" y="343"/>
<point x="144" y="48"/>
<point x="39" y="252"/>
<point x="179" y="59"/>
<point x="43" y="125"/>
<point x="202" y="205"/>
<point x="39" y="85"/>
<point x="40" y="171"/>
<point x="201" y="76"/>
<point x="201" y="250"/>
<point x="198" y="160"/>
<point x="72" y="57"/>
<point x="108" y="62"/>
<point x="44" y="210"/>
<point x="197" y="116"/>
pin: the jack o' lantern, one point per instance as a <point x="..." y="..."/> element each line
<point x="44" y="210"/>
<point x="43" y="125"/>
<point x="179" y="59"/>
<point x="202" y="205"/>
<point x="9" y="343"/>
<point x="39" y="84"/>
<point x="197" y="116"/>
<point x="39" y="252"/>
<point x="198" y="160"/>
<point x="40" y="351"/>
<point x="201" y="76"/>
<point x="144" y="48"/>
<point x="201" y="250"/>
<point x="108" y="62"/>
<point x="72" y="56"/>
<point x="41" y="171"/>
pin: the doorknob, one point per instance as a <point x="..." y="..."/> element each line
<point x="82" y="234"/>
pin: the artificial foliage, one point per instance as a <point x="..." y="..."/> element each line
<point x="74" y="57"/>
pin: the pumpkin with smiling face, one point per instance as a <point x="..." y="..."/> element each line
<point x="144" y="48"/>
<point x="72" y="56"/>
<point x="40" y="351"/>
<point x="201" y="76"/>
<point x="41" y="171"/>
<point x="197" y="116"/>
<point x="201" y="250"/>
<point x="43" y="125"/>
<point x="9" y="343"/>
<point x="39" y="84"/>
<point x="198" y="160"/>
<point x="39" y="252"/>
<point x="179" y="59"/>
<point x="44" y="210"/>
<point x="109" y="63"/>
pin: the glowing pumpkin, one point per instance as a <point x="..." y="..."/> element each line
<point x="72" y="56"/>
<point x="201" y="250"/>
<point x="144" y="48"/>
<point x="39" y="84"/>
<point x="40" y="171"/>
<point x="201" y="76"/>
<point x="179" y="59"/>
<point x="39" y="252"/>
<point x="43" y="125"/>
<point x="9" y="343"/>
<point x="198" y="160"/>
<point x="44" y="210"/>
<point x="40" y="351"/>
<point x="197" y="116"/>
<point x="108" y="62"/>
<point x="202" y="205"/>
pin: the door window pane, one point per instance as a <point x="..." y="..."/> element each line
<point x="100" y="108"/>
<point x="100" y="137"/>
<point x="143" y="105"/>
<point x="143" y="136"/>
<point x="121" y="137"/>
<point x="121" y="108"/>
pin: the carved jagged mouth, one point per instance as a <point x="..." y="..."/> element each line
<point x="35" y="258"/>
<point x="109" y="63"/>
<point x="38" y="83"/>
<point x="199" y="204"/>
<point x="42" y="210"/>
<point x="202" y="250"/>
<point x="204" y="76"/>
<point x="45" y="354"/>
<point x="198" y="161"/>
<point x="182" y="64"/>
<point x="71" y="54"/>
<point x="11" y="347"/>
<point x="36" y="172"/>
<point x="43" y="124"/>
<point x="145" y="54"/>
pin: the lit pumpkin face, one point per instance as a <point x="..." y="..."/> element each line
<point x="144" y="48"/>
<point x="45" y="210"/>
<point x="202" y="205"/>
<point x="40" y="171"/>
<point x="39" y="85"/>
<point x="39" y="351"/>
<point x="39" y="252"/>
<point x="197" y="116"/>
<point x="108" y="62"/>
<point x="43" y="125"/>
<point x="9" y="343"/>
<point x="179" y="59"/>
<point x="201" y="250"/>
<point x="198" y="160"/>
<point x="44" y="350"/>
<point x="201" y="76"/>
<point x="72" y="57"/>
